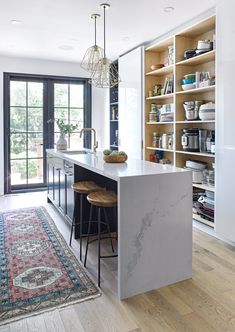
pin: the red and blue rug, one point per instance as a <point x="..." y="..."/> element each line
<point x="38" y="271"/>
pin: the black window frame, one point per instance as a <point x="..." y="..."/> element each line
<point x="48" y="134"/>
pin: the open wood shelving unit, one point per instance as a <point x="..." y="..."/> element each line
<point x="156" y="54"/>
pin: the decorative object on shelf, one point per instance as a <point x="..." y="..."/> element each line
<point x="105" y="74"/>
<point x="93" y="53"/>
<point x="38" y="266"/>
<point x="170" y="55"/>
<point x="114" y="156"/>
<point x="64" y="128"/>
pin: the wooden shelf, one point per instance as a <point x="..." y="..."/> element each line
<point x="199" y="59"/>
<point x="161" y="46"/>
<point x="197" y="154"/>
<point x="113" y="120"/>
<point x="158" y="149"/>
<point x="114" y="103"/>
<point x="196" y="121"/>
<point x="113" y="146"/>
<point x="196" y="91"/>
<point x="160" y="97"/>
<point x="162" y="71"/>
<point x="159" y="123"/>
<point x="202" y="220"/>
<point x="204" y="187"/>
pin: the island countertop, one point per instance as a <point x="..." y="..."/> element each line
<point x="132" y="167"/>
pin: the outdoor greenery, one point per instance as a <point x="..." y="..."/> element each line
<point x="26" y="121"/>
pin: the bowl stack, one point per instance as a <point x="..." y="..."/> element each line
<point x="188" y="82"/>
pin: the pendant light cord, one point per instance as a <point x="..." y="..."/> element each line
<point x="95" y="29"/>
<point x="104" y="32"/>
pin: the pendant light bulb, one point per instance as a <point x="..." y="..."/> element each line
<point x="93" y="54"/>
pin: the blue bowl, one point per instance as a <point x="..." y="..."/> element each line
<point x="188" y="81"/>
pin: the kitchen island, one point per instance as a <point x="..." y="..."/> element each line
<point x="154" y="217"/>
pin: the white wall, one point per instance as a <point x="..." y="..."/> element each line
<point x="225" y="135"/>
<point x="100" y="109"/>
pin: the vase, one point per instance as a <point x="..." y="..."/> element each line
<point x="61" y="144"/>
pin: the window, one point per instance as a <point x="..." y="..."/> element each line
<point x="29" y="102"/>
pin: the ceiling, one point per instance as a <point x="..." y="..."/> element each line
<point x="63" y="30"/>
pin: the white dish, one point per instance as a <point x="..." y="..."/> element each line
<point x="195" y="165"/>
<point x="186" y="87"/>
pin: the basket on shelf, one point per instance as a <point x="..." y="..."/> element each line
<point x="115" y="158"/>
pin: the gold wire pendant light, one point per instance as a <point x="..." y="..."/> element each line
<point x="105" y="74"/>
<point x="93" y="53"/>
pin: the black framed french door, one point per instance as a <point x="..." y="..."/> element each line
<point x="29" y="102"/>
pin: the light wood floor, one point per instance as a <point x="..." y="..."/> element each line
<point x="204" y="303"/>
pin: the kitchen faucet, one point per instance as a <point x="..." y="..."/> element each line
<point x="95" y="145"/>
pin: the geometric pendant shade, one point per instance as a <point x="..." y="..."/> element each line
<point x="105" y="74"/>
<point x="93" y="54"/>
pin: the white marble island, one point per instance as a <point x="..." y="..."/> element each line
<point x="154" y="221"/>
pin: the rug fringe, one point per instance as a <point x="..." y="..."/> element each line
<point x="56" y="307"/>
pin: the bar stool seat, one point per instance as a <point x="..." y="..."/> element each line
<point x="86" y="187"/>
<point x="81" y="189"/>
<point x="102" y="200"/>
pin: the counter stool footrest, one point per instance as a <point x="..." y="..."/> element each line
<point x="111" y="256"/>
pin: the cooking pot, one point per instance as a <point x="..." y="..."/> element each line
<point x="190" y="139"/>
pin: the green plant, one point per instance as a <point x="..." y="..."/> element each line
<point x="65" y="128"/>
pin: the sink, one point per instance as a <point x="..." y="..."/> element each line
<point x="73" y="152"/>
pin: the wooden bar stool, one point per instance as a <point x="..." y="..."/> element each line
<point x="102" y="200"/>
<point x="81" y="188"/>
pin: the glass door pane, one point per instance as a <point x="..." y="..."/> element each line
<point x="26" y="134"/>
<point x="69" y="106"/>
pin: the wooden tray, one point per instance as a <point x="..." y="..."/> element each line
<point x="115" y="159"/>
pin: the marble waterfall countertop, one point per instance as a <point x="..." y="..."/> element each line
<point x="115" y="171"/>
<point x="154" y="220"/>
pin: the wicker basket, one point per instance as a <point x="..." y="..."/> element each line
<point x="115" y="158"/>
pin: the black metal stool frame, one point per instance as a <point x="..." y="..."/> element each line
<point x="106" y="223"/>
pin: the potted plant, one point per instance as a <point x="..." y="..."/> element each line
<point x="64" y="128"/>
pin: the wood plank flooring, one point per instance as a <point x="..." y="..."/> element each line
<point x="204" y="303"/>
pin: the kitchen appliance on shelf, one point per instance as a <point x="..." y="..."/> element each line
<point x="192" y="109"/>
<point x="190" y="139"/>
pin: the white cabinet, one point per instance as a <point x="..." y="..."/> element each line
<point x="225" y="138"/>
<point x="130" y="103"/>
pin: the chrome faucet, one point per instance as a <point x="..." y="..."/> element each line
<point x="95" y="145"/>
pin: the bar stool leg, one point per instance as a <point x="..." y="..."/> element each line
<point x="88" y="234"/>
<point x="80" y="223"/>
<point x="73" y="220"/>
<point x="99" y="219"/>
<point x="108" y="225"/>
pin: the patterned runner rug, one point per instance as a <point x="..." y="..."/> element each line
<point x="38" y="271"/>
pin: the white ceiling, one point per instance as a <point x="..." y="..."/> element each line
<point x="48" y="25"/>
